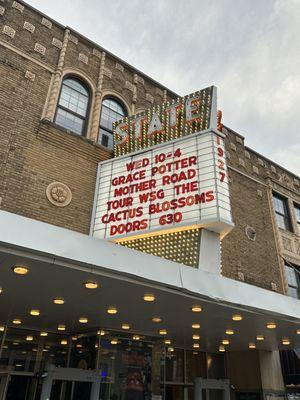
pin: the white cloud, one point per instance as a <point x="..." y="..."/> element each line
<point x="249" y="49"/>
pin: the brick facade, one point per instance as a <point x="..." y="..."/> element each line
<point x="35" y="54"/>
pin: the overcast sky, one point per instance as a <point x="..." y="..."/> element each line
<point x="249" y="49"/>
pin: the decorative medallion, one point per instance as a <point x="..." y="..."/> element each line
<point x="59" y="194"/>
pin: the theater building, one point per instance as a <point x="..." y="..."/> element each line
<point x="145" y="251"/>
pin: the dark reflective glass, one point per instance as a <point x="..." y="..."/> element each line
<point x="111" y="112"/>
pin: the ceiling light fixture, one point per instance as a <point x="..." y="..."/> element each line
<point x="196" y="308"/>
<point x="298" y="331"/>
<point x="252" y="345"/>
<point x="20" y="270"/>
<point x="196" y="337"/>
<point x="101" y="333"/>
<point x="260" y="338"/>
<point x="112" y="310"/>
<point x="196" y="345"/>
<point x="222" y="349"/>
<point x="271" y="325"/>
<point x="196" y="326"/>
<point x="149" y="297"/>
<point x="91" y="285"/>
<point x="29" y="338"/>
<point x="125" y="326"/>
<point x="63" y="341"/>
<point x="162" y="332"/>
<point x="61" y="327"/>
<point x="156" y="319"/>
<point x="2" y="328"/>
<point x="225" y="341"/>
<point x="17" y="321"/>
<point x="286" y="341"/>
<point x="114" y="341"/>
<point x="59" y="300"/>
<point x="83" y="320"/>
<point x="167" y="341"/>
<point x="171" y="349"/>
<point x="237" y="317"/>
<point x="35" y="312"/>
<point x="229" y="332"/>
<point x="135" y="337"/>
<point x="44" y="334"/>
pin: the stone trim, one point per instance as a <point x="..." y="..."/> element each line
<point x="119" y="67"/>
<point x="83" y="58"/>
<point x="73" y="39"/>
<point x="239" y="140"/>
<point x="17" y="6"/>
<point x="255" y="170"/>
<point x="97" y="53"/>
<point x="2" y="10"/>
<point x="30" y="76"/>
<point x="39" y="48"/>
<point x="140" y="80"/>
<point x="46" y="23"/>
<point x="247" y="154"/>
<point x="107" y="72"/>
<point x="159" y="92"/>
<point x="129" y="86"/>
<point x="242" y="162"/>
<point x="9" y="31"/>
<point x="59" y="194"/>
<point x="57" y="43"/>
<point x="246" y="175"/>
<point x="29" y="27"/>
<point x="232" y="146"/>
<point x="149" y="98"/>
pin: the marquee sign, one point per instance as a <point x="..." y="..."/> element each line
<point x="178" y="185"/>
<point x="186" y="115"/>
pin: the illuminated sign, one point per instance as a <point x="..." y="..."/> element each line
<point x="178" y="185"/>
<point x="186" y="115"/>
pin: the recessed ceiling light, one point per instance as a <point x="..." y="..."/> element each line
<point x="135" y="337"/>
<point x="74" y="338"/>
<point x="44" y="333"/>
<point x="101" y="332"/>
<point x="225" y="341"/>
<point x="222" y="349"/>
<point x="125" y="326"/>
<point x="20" y="270"/>
<point x="149" y="297"/>
<point x="196" y="345"/>
<point x="83" y="320"/>
<point x="271" y="325"/>
<point x="59" y="300"/>
<point x="286" y="341"/>
<point x="196" y="337"/>
<point x="171" y="349"/>
<point x="35" y="312"/>
<point x="63" y="341"/>
<point x="1" y="290"/>
<point x="112" y="310"/>
<point x="260" y="337"/>
<point x="167" y="341"/>
<point x="162" y="332"/>
<point x="16" y="321"/>
<point x="252" y="345"/>
<point x="196" y="326"/>
<point x="2" y="328"/>
<point x="29" y="338"/>
<point x="16" y="343"/>
<point x="61" y="327"/>
<point x="196" y="308"/>
<point x="237" y="317"/>
<point x="79" y="346"/>
<point x="91" y="285"/>
<point x="114" y="341"/>
<point x="298" y="331"/>
<point x="19" y="365"/>
<point x="156" y="319"/>
<point x="229" y="332"/>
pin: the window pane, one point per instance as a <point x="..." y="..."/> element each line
<point x="279" y="205"/>
<point x="297" y="211"/>
<point x="111" y="112"/>
<point x="291" y="277"/>
<point x="293" y="292"/>
<point x="69" y="121"/>
<point x="76" y="85"/>
<point x="282" y="222"/>
<point x="174" y="366"/>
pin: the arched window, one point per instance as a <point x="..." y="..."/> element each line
<point x="72" y="107"/>
<point x="112" y="110"/>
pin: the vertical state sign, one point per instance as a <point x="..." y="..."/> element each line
<point x="178" y="185"/>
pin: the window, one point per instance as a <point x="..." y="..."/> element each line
<point x="281" y="211"/>
<point x="111" y="111"/>
<point x="292" y="275"/>
<point x="72" y="108"/>
<point x="297" y="211"/>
